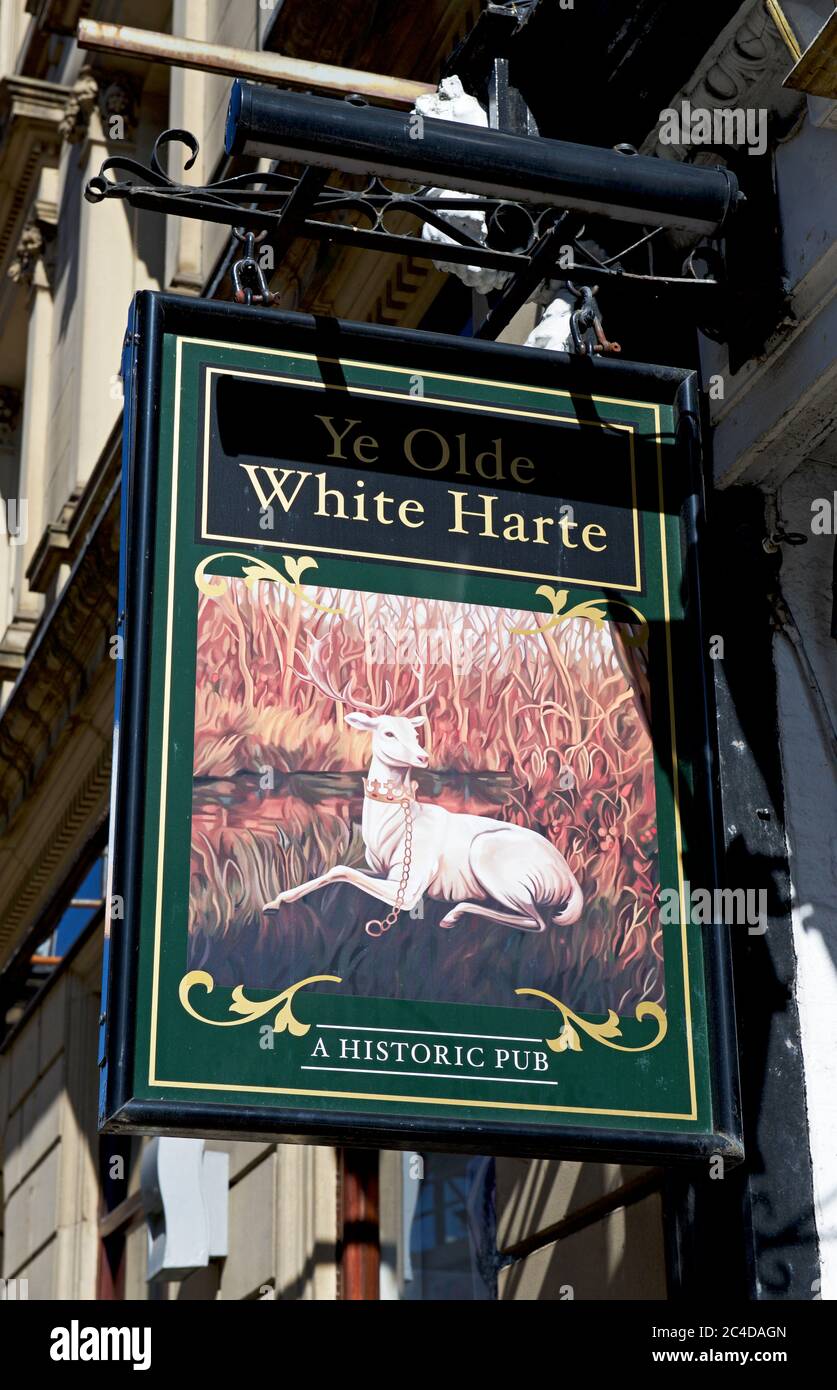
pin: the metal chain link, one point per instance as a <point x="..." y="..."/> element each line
<point x="377" y="927"/>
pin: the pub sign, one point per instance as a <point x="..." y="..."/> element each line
<point x="411" y="773"/>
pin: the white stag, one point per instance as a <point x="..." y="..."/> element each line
<point x="482" y="866"/>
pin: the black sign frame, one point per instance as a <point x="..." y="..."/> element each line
<point x="153" y="317"/>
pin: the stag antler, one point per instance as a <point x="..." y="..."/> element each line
<point x="316" y="676"/>
<point x="423" y="695"/>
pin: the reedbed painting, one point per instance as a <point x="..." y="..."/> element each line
<point x="431" y="799"/>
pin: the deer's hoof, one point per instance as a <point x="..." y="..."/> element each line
<point x="449" y="921"/>
<point x="274" y="906"/>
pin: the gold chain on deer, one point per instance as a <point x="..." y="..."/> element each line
<point x="376" y="927"/>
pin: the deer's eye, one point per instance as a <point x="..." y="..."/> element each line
<point x="389" y="734"/>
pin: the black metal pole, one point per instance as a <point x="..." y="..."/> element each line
<point x="356" y="138"/>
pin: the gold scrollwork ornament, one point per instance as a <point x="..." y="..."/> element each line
<point x="569" y="1040"/>
<point x="586" y="609"/>
<point x="257" y="569"/>
<point x="251" y="1009"/>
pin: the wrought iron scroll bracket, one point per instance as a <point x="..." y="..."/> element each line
<point x="521" y="239"/>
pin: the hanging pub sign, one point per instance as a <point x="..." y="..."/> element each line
<point x="411" y="796"/>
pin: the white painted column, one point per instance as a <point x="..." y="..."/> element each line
<point x="185" y="236"/>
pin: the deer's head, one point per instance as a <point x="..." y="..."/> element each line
<point x="394" y="738"/>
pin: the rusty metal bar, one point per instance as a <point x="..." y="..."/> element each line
<point x="240" y="62"/>
<point x="129" y="1213"/>
<point x="360" y="1236"/>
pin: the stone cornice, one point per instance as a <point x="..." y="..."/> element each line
<point x="49" y="847"/>
<point x="68" y="654"/>
<point x="31" y="112"/>
<point x="110" y="92"/>
<point x="63" y="539"/>
<point x="57" y="16"/>
<point x="59" y="713"/>
<point x="743" y="68"/>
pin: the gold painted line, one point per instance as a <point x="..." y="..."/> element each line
<point x="635" y="509"/>
<point x="433" y="1075"/>
<point x="355" y="390"/>
<point x="205" y="480"/>
<point x="167" y="678"/>
<point x="788" y="36"/>
<point x="431" y="564"/>
<point x="153" y="1080"/>
<point x="675" y="781"/>
<point x="418" y="1100"/>
<point x="435" y="376"/>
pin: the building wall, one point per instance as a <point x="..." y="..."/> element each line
<point x="775" y="428"/>
<point x="807" y="685"/>
<point x="48" y="1141"/>
<point x="282" y="1230"/>
<point x="579" y="1231"/>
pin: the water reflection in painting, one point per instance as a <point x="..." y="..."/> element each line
<point x="518" y="719"/>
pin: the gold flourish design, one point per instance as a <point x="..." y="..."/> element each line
<point x="251" y="1009"/>
<point x="256" y="569"/>
<point x="604" y="1033"/>
<point x="587" y="609"/>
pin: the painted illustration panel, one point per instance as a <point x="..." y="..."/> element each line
<point x="430" y="799"/>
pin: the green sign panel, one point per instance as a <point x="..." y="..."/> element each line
<point x="410" y="769"/>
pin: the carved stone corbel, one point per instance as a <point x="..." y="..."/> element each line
<point x="118" y="99"/>
<point x="743" y="69"/>
<point x="36" y="243"/>
<point x="80" y="104"/>
<point x="113" y="93"/>
<point x="10" y="402"/>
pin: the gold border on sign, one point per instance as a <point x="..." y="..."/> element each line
<point x="384" y="1098"/>
<point x="550" y="418"/>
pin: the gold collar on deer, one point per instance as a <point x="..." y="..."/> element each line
<point x="388" y="791"/>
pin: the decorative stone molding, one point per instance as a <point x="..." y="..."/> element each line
<point x="13" y="647"/>
<point x="10" y="402"/>
<point x="57" y="16"/>
<point x="119" y="97"/>
<point x="113" y="93"/>
<point x="402" y="284"/>
<point x="81" y="813"/>
<point x="743" y="68"/>
<point x="552" y="332"/>
<point x="70" y="660"/>
<point x="80" y="106"/>
<point x="36" y="244"/>
<point x="64" y="537"/>
<point x="31" y="112"/>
